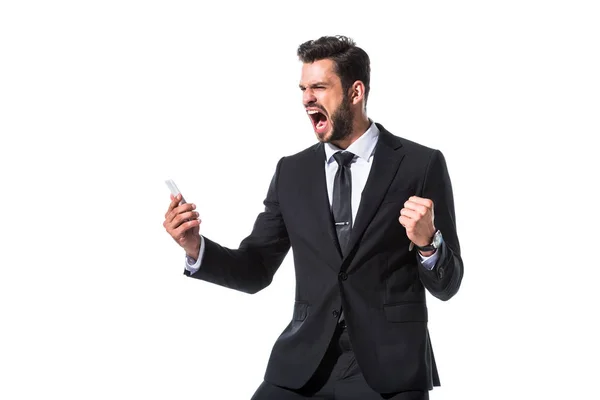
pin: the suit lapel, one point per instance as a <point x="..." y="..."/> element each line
<point x="386" y="160"/>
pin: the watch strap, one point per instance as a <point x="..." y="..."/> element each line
<point x="432" y="246"/>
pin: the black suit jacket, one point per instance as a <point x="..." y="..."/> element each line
<point x="380" y="284"/>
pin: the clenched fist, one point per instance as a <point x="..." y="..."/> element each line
<point x="417" y="217"/>
<point x="183" y="224"/>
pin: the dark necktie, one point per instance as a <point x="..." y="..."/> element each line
<point x="341" y="205"/>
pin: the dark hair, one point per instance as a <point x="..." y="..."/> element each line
<point x="351" y="62"/>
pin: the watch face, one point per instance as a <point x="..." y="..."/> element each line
<point x="437" y="239"/>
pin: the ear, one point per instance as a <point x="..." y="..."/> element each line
<point x="357" y="92"/>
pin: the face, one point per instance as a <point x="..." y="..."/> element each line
<point x="325" y="101"/>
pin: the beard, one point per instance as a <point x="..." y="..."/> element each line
<point x="341" y="119"/>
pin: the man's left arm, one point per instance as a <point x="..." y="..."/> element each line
<point x="444" y="280"/>
<point x="422" y="216"/>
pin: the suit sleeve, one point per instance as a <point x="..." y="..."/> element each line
<point x="444" y="280"/>
<point x="251" y="267"/>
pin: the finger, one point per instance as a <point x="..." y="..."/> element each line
<point x="179" y="233"/>
<point x="419" y="208"/>
<point x="411" y="214"/>
<point x="176" y="224"/>
<point x="407" y="223"/>
<point x="170" y="216"/>
<point x="422" y="201"/>
<point x="186" y="216"/>
<point x="181" y="218"/>
<point x="174" y="203"/>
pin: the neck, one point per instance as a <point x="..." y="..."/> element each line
<point x="359" y="127"/>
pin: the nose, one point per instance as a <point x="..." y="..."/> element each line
<point x="308" y="97"/>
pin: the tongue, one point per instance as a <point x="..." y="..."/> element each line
<point x="321" y="126"/>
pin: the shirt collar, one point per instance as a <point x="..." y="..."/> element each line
<point x="362" y="147"/>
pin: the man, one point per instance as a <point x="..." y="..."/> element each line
<point x="358" y="209"/>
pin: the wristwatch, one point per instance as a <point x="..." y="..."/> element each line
<point x="435" y="243"/>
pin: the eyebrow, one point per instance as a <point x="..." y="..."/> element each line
<point x="312" y="85"/>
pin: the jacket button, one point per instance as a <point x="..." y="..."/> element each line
<point x="335" y="313"/>
<point x="343" y="276"/>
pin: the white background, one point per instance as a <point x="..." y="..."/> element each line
<point x="100" y="102"/>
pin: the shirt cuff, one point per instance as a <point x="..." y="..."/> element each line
<point x="429" y="262"/>
<point x="192" y="265"/>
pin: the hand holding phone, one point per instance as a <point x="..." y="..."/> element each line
<point x="184" y="227"/>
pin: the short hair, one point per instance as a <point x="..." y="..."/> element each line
<point x="351" y="62"/>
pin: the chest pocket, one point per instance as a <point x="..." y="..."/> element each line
<point x="399" y="195"/>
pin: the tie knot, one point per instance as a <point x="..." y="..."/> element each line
<point x="343" y="158"/>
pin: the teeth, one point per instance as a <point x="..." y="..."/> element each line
<point x="312" y="112"/>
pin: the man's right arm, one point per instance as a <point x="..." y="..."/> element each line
<point x="251" y="267"/>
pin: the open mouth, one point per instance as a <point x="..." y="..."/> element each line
<point x="318" y="119"/>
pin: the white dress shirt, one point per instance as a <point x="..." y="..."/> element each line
<point x="363" y="149"/>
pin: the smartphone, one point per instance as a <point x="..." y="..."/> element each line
<point x="174" y="190"/>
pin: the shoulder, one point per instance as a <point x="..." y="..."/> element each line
<point x="416" y="155"/>
<point x="303" y="158"/>
<point x="308" y="153"/>
<point x="407" y="145"/>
